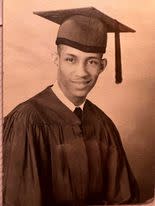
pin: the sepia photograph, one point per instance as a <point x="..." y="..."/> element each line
<point x="78" y="103"/>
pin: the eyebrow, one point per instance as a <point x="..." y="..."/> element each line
<point x="90" y="57"/>
<point x="71" y="55"/>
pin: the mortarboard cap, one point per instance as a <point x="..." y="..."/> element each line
<point x="86" y="29"/>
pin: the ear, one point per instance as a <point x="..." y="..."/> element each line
<point x="103" y="64"/>
<point x="55" y="58"/>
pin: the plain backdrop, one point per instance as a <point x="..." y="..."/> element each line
<point x="28" y="45"/>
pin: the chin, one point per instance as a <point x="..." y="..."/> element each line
<point x="80" y="94"/>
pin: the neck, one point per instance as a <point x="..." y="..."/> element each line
<point x="77" y="101"/>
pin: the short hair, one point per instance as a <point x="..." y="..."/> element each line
<point x="59" y="48"/>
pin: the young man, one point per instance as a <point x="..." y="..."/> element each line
<point x="59" y="148"/>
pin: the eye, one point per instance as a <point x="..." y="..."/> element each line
<point x="70" y="59"/>
<point x="93" y="62"/>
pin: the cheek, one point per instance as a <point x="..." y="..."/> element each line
<point x="67" y="69"/>
<point x="64" y="73"/>
<point x="94" y="73"/>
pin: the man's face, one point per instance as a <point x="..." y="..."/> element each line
<point x="77" y="71"/>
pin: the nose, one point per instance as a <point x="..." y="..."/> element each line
<point x="81" y="70"/>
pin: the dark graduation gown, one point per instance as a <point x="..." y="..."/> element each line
<point x="49" y="160"/>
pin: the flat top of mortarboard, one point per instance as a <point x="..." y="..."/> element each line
<point x="59" y="16"/>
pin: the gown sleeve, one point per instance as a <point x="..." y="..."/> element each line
<point x="21" y="177"/>
<point x="122" y="187"/>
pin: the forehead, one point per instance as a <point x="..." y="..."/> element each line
<point x="68" y="50"/>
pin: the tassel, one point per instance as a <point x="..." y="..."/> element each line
<point x="118" y="64"/>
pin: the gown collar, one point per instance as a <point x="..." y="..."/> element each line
<point x="57" y="91"/>
<point x="48" y="98"/>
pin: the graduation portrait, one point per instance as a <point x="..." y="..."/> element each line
<point x="78" y="95"/>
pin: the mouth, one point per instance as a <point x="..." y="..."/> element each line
<point x="80" y="84"/>
<point x="81" y="81"/>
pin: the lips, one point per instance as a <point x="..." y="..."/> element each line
<point x="81" y="84"/>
